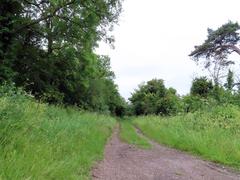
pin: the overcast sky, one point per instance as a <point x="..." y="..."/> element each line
<point x="154" y="38"/>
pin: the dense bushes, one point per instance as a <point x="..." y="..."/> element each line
<point x="48" y="49"/>
<point x="201" y="86"/>
<point x="154" y="98"/>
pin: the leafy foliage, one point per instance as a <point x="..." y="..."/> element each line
<point x="222" y="41"/>
<point x="216" y="48"/>
<point x="230" y="81"/>
<point x="193" y="103"/>
<point x="47" y="47"/>
<point x="201" y="86"/>
<point x="154" y="98"/>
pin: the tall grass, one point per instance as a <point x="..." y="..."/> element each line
<point x="128" y="134"/>
<point x="213" y="134"/>
<point x="38" y="141"/>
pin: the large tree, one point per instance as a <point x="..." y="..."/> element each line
<point x="225" y="40"/>
<point x="213" y="53"/>
<point x="47" y="47"/>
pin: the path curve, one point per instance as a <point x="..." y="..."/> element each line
<point x="127" y="162"/>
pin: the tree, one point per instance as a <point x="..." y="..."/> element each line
<point x="9" y="19"/>
<point x="201" y="87"/>
<point x="217" y="68"/>
<point x="216" y="48"/>
<point x="47" y="47"/>
<point x="154" y="98"/>
<point x="102" y="93"/>
<point x="222" y="41"/>
<point x="230" y="81"/>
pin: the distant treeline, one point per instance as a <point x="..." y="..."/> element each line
<point x="154" y="98"/>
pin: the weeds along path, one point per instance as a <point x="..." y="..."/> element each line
<point x="127" y="162"/>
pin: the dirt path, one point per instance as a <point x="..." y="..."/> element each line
<point x="126" y="162"/>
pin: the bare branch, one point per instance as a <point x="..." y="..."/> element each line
<point x="232" y="47"/>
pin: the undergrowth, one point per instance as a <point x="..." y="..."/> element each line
<point x="214" y="134"/>
<point x="40" y="141"/>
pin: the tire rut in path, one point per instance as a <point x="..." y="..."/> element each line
<point x="127" y="162"/>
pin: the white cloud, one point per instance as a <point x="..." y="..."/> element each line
<point x="155" y="37"/>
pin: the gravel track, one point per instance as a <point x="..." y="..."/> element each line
<point x="127" y="162"/>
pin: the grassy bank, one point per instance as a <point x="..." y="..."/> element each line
<point x="38" y="141"/>
<point x="213" y="134"/>
<point x="128" y="134"/>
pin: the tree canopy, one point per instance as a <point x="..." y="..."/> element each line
<point x="154" y="98"/>
<point x="201" y="86"/>
<point x="47" y="47"/>
<point x="214" y="52"/>
<point x="221" y="42"/>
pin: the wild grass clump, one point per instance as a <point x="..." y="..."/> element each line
<point x="213" y="134"/>
<point x="128" y="134"/>
<point x="39" y="141"/>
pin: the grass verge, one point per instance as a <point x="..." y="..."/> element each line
<point x="38" y="141"/>
<point x="214" y="135"/>
<point x="128" y="134"/>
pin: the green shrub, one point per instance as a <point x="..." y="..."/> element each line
<point x="154" y="98"/>
<point x="201" y="86"/>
